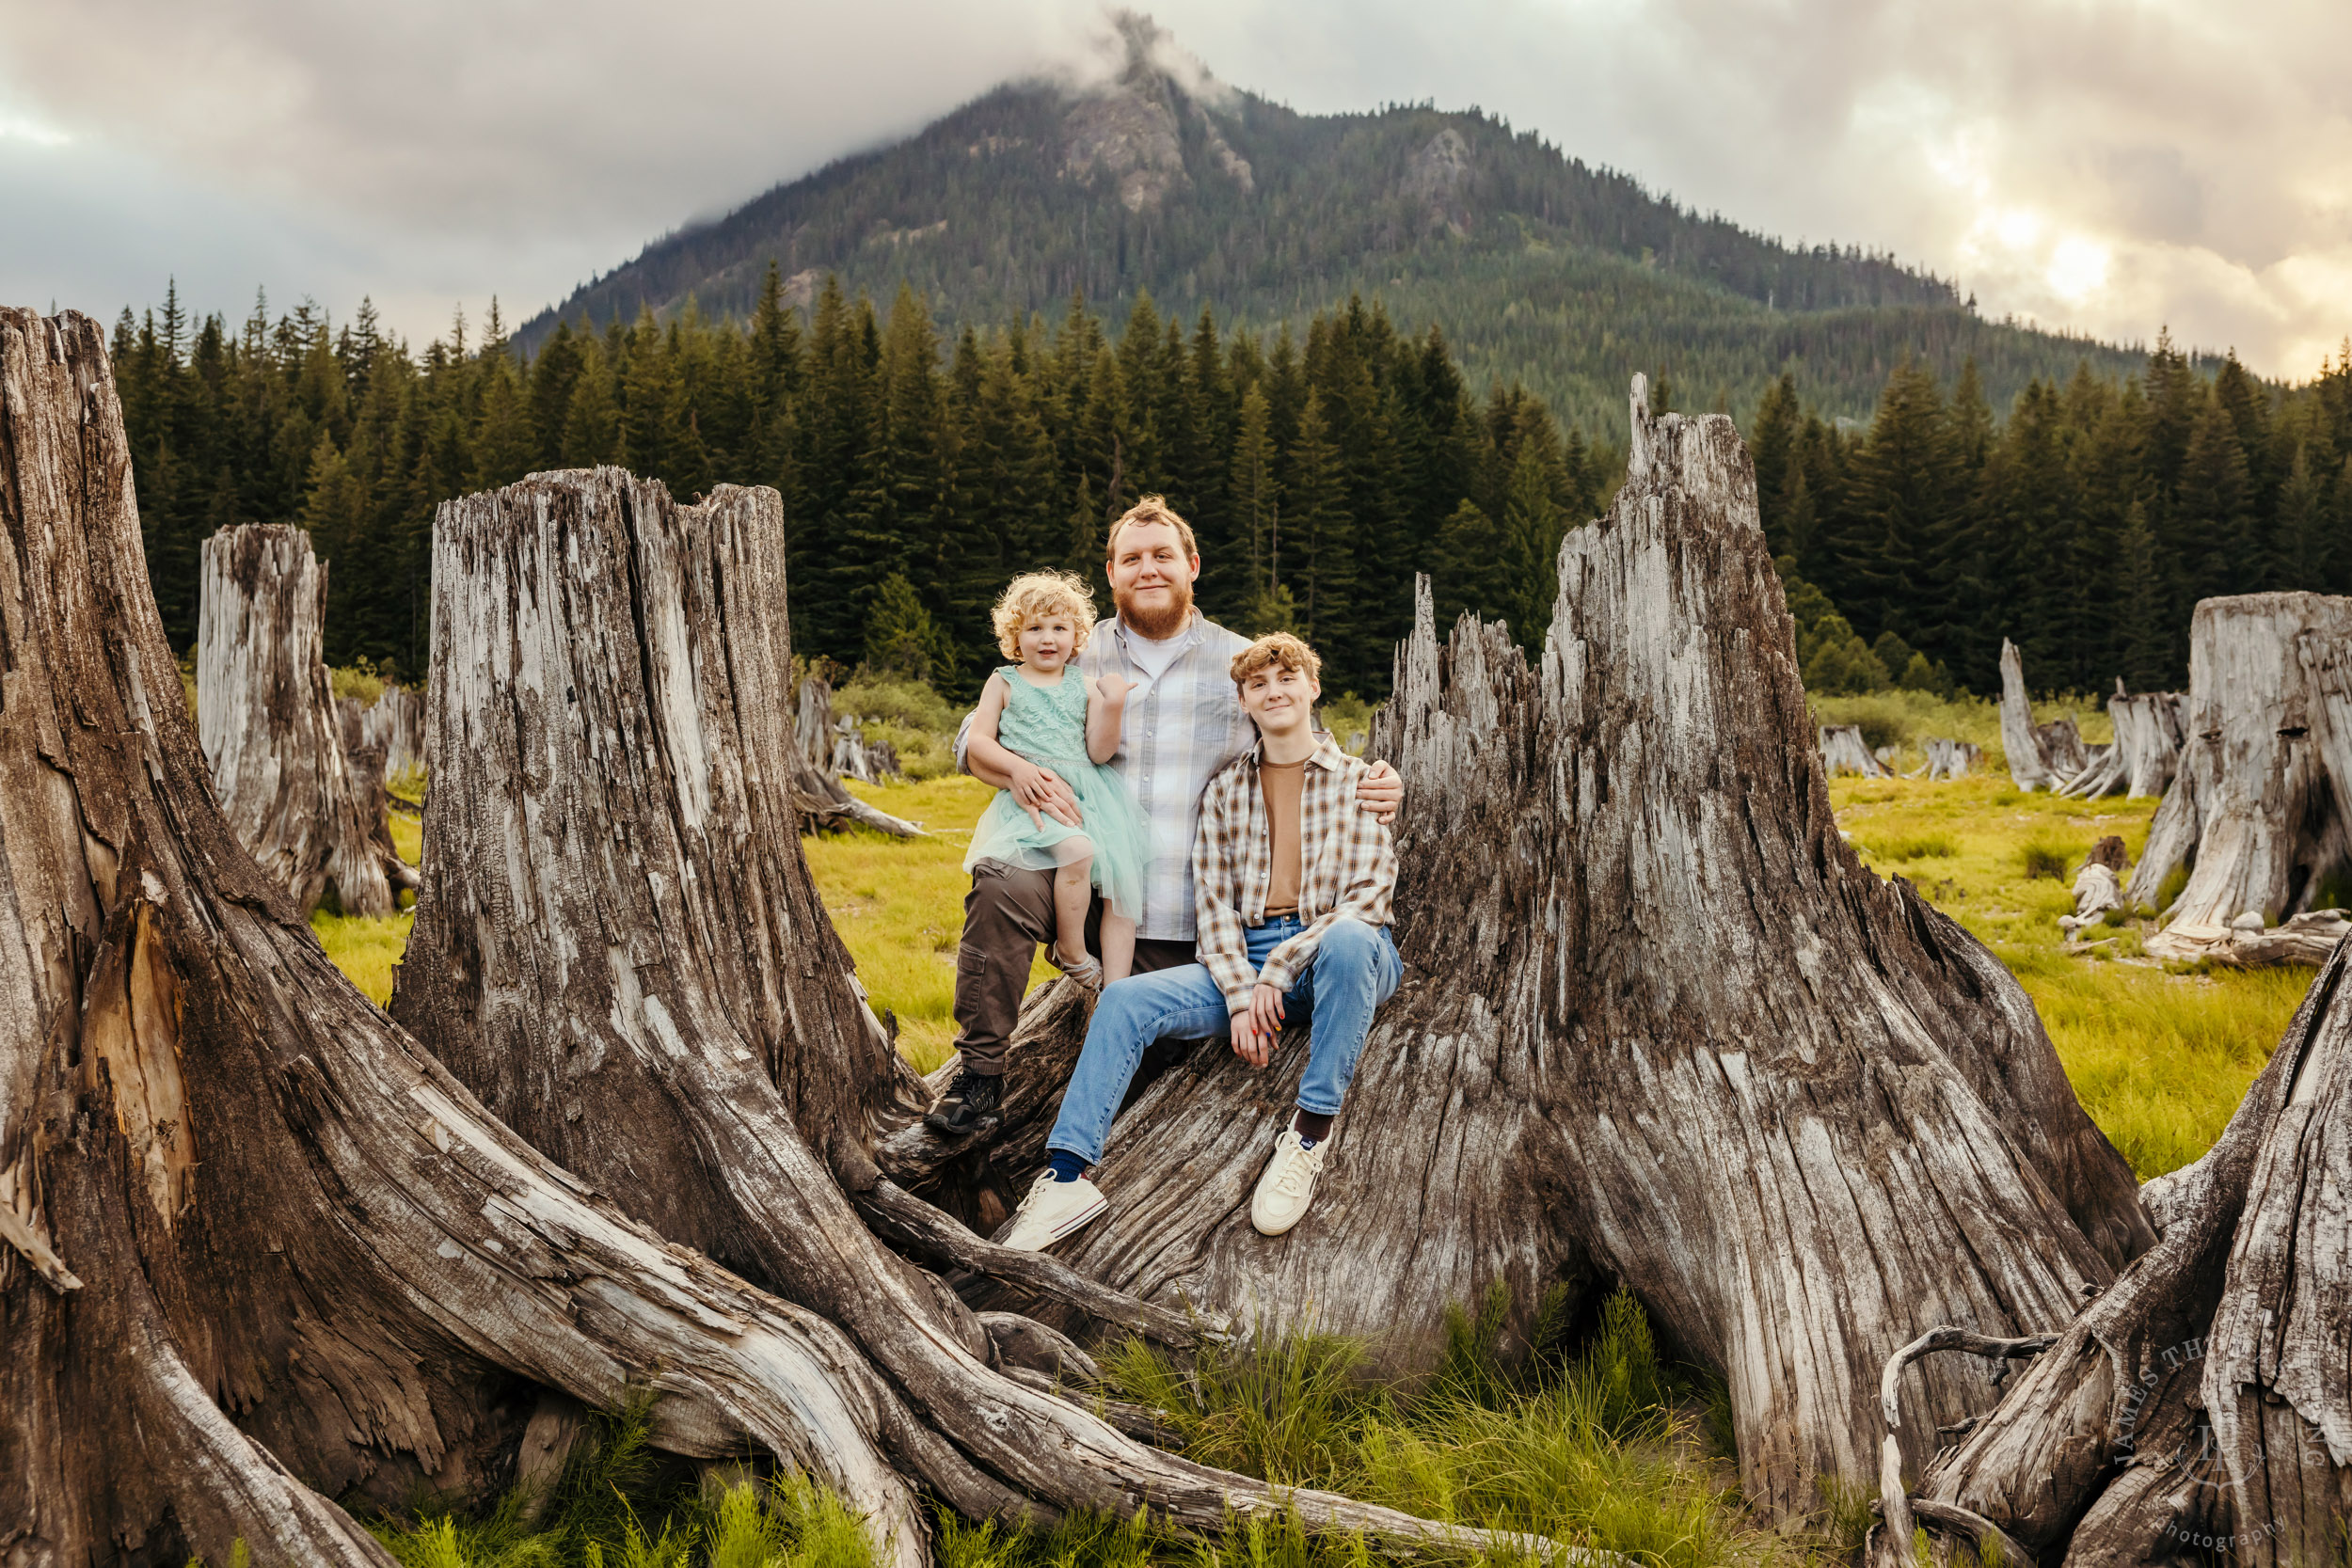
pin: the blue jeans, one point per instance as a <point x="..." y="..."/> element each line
<point x="1354" y="969"/>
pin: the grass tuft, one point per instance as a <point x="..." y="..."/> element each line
<point x="2045" y="857"/>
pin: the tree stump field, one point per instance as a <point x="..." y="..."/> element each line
<point x="630" y="1129"/>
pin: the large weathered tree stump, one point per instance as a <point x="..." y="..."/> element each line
<point x="271" y="735"/>
<point x="2146" y="749"/>
<point x="2261" y="808"/>
<point x="1659" y="1025"/>
<point x="620" y="949"/>
<point x="2202" y="1407"/>
<point x="256" y="1232"/>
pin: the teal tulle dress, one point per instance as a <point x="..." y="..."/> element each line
<point x="1048" y="726"/>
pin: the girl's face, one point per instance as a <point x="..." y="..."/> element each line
<point x="1048" y="639"/>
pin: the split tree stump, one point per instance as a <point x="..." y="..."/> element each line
<point x="619" y="948"/>
<point x="268" y="720"/>
<point x="2200" y="1407"/>
<point x="2041" y="756"/>
<point x="1659" y="1027"/>
<point x="1951" y="759"/>
<point x="2261" y="807"/>
<point x="228" y="1177"/>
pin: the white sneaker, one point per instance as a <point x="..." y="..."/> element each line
<point x="1288" y="1185"/>
<point x="1052" y="1210"/>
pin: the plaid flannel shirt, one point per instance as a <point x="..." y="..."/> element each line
<point x="1347" y="867"/>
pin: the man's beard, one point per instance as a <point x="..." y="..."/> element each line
<point x="1157" y="624"/>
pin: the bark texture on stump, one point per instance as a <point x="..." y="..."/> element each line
<point x="1659" y="1026"/>
<point x="2148" y="736"/>
<point x="1844" y="751"/>
<point x="816" y="789"/>
<point x="2203" y="1405"/>
<point x="393" y="724"/>
<point x="2260" y="809"/>
<point x="619" y="948"/>
<point x="268" y="720"/>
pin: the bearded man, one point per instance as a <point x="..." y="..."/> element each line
<point x="1183" y="723"/>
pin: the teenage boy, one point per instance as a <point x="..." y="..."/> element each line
<point x="1292" y="884"/>
<point x="1182" y="726"/>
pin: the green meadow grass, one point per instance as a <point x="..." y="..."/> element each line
<point x="898" y="904"/>
<point x="2159" y="1059"/>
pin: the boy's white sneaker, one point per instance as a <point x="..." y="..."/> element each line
<point x="1288" y="1185"/>
<point x="1052" y="1210"/>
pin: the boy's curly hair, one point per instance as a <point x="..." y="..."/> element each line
<point x="1035" y="594"/>
<point x="1276" y="650"/>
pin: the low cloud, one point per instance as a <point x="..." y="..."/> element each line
<point x="2109" y="165"/>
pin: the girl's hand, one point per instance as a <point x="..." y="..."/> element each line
<point x="1113" y="688"/>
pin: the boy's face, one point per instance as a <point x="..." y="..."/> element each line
<point x="1279" y="700"/>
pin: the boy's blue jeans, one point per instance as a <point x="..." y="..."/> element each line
<point x="1354" y="969"/>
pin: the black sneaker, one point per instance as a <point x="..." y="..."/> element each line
<point x="971" y="1103"/>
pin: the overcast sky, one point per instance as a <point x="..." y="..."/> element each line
<point x="2110" y="166"/>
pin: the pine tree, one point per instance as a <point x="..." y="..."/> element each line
<point x="1254" y="498"/>
<point x="1529" y="537"/>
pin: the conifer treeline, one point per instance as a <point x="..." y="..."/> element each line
<point x="917" y="476"/>
<point x="2086" y="527"/>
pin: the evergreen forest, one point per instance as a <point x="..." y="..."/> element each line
<point x="1540" y="269"/>
<point x="922" y="466"/>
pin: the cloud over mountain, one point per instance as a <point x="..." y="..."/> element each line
<point x="2110" y="164"/>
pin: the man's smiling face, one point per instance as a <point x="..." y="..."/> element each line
<point x="1152" y="578"/>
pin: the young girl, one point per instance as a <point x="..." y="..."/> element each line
<point x="1038" y="714"/>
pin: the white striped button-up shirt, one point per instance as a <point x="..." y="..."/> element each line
<point x="1180" y="730"/>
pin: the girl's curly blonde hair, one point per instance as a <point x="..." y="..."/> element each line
<point x="1035" y="594"/>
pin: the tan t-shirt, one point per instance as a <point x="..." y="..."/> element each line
<point x="1281" y="782"/>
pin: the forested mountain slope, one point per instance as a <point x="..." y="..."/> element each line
<point x="1537" y="267"/>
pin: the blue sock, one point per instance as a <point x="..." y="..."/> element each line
<point x="1065" y="1165"/>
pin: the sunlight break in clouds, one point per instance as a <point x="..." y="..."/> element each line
<point x="2106" y="166"/>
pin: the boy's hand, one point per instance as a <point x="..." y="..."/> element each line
<point x="1381" y="793"/>
<point x="1265" y="1017"/>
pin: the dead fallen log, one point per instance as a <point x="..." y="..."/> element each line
<point x="2261" y="807"/>
<point x="1951" y="759"/>
<point x="2195" y="1408"/>
<point x="1659" y="1025"/>
<point x="271" y="738"/>
<point x="1844" y="751"/>
<point x="817" y="792"/>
